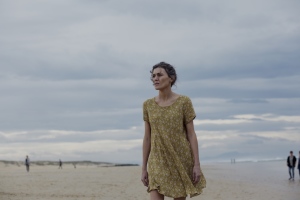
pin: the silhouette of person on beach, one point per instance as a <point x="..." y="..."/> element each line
<point x="27" y="163"/>
<point x="299" y="164"/>
<point x="291" y="163"/>
<point x="60" y="164"/>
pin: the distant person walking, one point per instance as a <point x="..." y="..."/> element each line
<point x="27" y="163"/>
<point x="299" y="164"/>
<point x="60" y="164"/>
<point x="291" y="163"/>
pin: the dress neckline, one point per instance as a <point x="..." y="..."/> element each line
<point x="168" y="105"/>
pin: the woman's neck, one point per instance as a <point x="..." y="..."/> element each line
<point x="165" y="95"/>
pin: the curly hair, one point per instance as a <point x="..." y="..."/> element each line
<point x="168" y="68"/>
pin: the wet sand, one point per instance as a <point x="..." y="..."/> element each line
<point x="240" y="181"/>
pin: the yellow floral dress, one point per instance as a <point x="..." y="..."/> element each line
<point x="171" y="161"/>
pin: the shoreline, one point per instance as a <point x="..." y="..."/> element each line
<point x="74" y="163"/>
<point x="240" y="181"/>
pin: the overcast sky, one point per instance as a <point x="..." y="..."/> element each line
<point x="75" y="73"/>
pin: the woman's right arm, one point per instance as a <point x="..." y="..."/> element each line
<point x="146" y="152"/>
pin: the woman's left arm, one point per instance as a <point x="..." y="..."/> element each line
<point x="192" y="138"/>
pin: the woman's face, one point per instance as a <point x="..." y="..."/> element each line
<point x="160" y="79"/>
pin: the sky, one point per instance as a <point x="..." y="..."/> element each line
<point x="74" y="75"/>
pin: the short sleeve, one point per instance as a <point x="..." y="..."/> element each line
<point x="188" y="111"/>
<point x="145" y="112"/>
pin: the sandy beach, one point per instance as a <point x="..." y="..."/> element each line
<point x="242" y="181"/>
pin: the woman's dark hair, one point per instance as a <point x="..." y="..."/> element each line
<point x="168" y="68"/>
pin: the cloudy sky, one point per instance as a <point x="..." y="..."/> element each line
<point x="75" y="73"/>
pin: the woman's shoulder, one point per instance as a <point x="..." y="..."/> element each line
<point x="150" y="100"/>
<point x="184" y="98"/>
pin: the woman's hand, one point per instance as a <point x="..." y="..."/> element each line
<point x="144" y="178"/>
<point x="196" y="174"/>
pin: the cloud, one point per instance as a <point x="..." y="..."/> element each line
<point x="249" y="118"/>
<point x="220" y="121"/>
<point x="54" y="136"/>
<point x="270" y="117"/>
<point x="81" y="74"/>
<point x="248" y="101"/>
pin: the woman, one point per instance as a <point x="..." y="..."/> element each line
<point x="171" y="165"/>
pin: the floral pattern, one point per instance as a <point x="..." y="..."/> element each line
<point x="170" y="163"/>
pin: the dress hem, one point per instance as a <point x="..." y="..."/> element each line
<point x="168" y="195"/>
